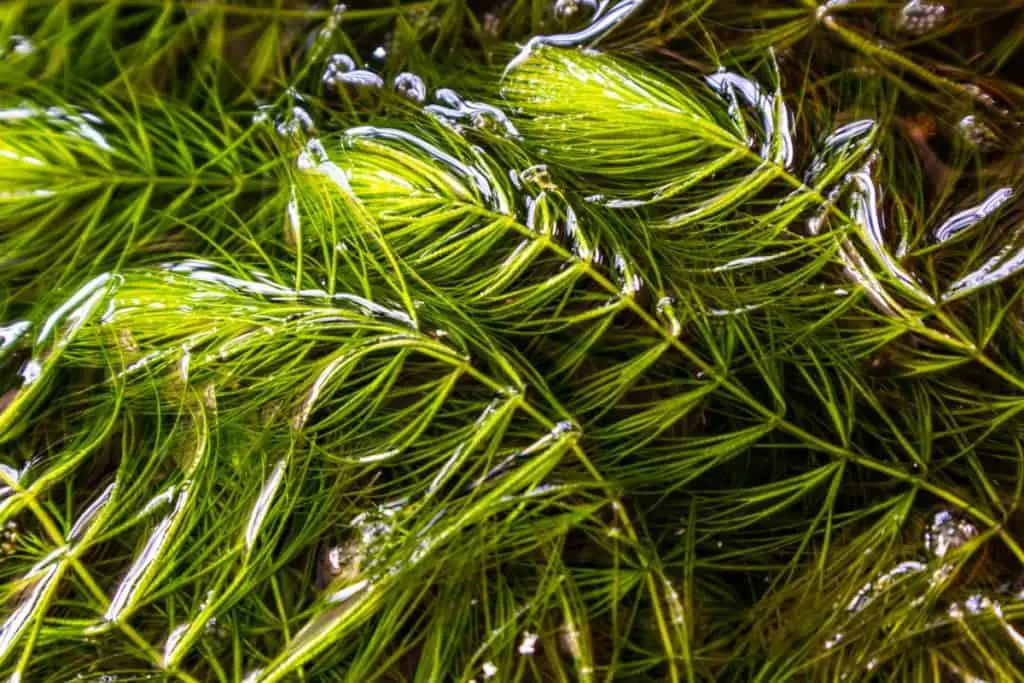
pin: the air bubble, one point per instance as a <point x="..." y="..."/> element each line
<point x="947" y="532"/>
<point x="968" y="218"/>
<point x="82" y="124"/>
<point x="776" y="119"/>
<point x="341" y="70"/>
<point x="495" y="199"/>
<point x="262" y="114"/>
<point x="865" y="203"/>
<point x="338" y="64"/>
<point x="298" y="121"/>
<point x="567" y="9"/>
<point x="11" y="333"/>
<point x="528" y="645"/>
<point x="869" y="591"/>
<point x="975" y="132"/>
<point x="1008" y="261"/>
<point x="666" y="310"/>
<point x="538" y="175"/>
<point x="919" y="17"/>
<point x="605" y="19"/>
<point x="454" y="110"/>
<point x="334" y="21"/>
<point x="410" y="85"/>
<point x="824" y="10"/>
<point x="19" y="46"/>
<point x="853" y="139"/>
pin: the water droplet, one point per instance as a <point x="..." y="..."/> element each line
<point x="489" y="670"/>
<point x="380" y="53"/>
<point x="214" y="629"/>
<point x="626" y="277"/>
<point x="980" y="95"/>
<point x="977" y="603"/>
<point x="313" y="156"/>
<point x="142" y="569"/>
<point x="262" y="114"/>
<point x="919" y="17"/>
<point x="173" y="642"/>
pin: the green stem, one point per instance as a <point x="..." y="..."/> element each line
<point x="262" y="12"/>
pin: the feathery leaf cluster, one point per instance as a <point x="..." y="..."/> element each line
<point x="426" y="340"/>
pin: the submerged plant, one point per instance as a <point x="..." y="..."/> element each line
<point x="570" y="341"/>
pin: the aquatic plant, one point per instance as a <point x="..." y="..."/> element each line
<point x="568" y="341"/>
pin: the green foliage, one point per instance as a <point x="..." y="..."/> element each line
<point x="697" y="357"/>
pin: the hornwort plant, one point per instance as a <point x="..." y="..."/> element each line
<point x="438" y="340"/>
